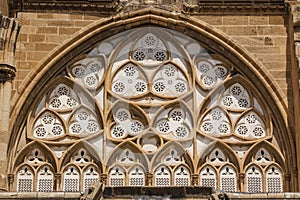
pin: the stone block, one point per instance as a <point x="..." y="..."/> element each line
<point x="47" y="30"/>
<point x="276" y="20"/>
<point x="271" y="30"/>
<point x="258" y="20"/>
<point x="233" y="20"/>
<point x="36" y="38"/>
<point x="212" y="20"/>
<point x="68" y="31"/>
<point x="240" y="30"/>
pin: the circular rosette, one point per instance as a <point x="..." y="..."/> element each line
<point x="48" y="125"/>
<point x="129" y="81"/>
<point x="125" y="123"/>
<point x="63" y="98"/>
<point x="88" y="71"/>
<point x="235" y="98"/>
<point x="210" y="72"/>
<point x="174" y="123"/>
<point x="216" y="123"/>
<point x="83" y="122"/>
<point x="250" y="126"/>
<point x="170" y="81"/>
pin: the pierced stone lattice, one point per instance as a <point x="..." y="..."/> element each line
<point x="208" y="177"/>
<point x="45" y="180"/>
<point x="25" y="180"/>
<point x="90" y="175"/>
<point x="162" y="176"/>
<point x="273" y="180"/>
<point x="116" y="177"/>
<point x="182" y="176"/>
<point x="137" y="176"/>
<point x="228" y="179"/>
<point x="71" y="180"/>
<point x="254" y="180"/>
<point x="217" y="157"/>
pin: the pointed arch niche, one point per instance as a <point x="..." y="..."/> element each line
<point x="137" y="91"/>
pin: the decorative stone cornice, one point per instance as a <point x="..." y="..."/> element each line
<point x="107" y="7"/>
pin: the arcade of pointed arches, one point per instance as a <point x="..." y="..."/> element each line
<point x="149" y="107"/>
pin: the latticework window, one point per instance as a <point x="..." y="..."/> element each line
<point x="273" y="179"/>
<point x="136" y="176"/>
<point x="162" y="176"/>
<point x="228" y="179"/>
<point x="25" y="179"/>
<point x="71" y="179"/>
<point x="149" y="101"/>
<point x="45" y="179"/>
<point x="90" y="175"/>
<point x="182" y="176"/>
<point x="117" y="177"/>
<point x="254" y="179"/>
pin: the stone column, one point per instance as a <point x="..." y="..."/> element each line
<point x="241" y="182"/>
<point x="149" y="178"/>
<point x="9" y="29"/>
<point x="103" y="179"/>
<point x="195" y="179"/>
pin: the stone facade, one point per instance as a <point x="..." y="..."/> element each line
<point x="255" y="42"/>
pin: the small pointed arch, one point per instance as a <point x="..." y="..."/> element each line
<point x="25" y="178"/>
<point x="131" y="154"/>
<point x="254" y="178"/>
<point x="208" y="176"/>
<point x="272" y="151"/>
<point x="71" y="178"/>
<point x="126" y="119"/>
<point x="162" y="175"/>
<point x="182" y="175"/>
<point x="46" y="125"/>
<point x="172" y="154"/>
<point x="90" y="174"/>
<point x="45" y="178"/>
<point x="116" y="176"/>
<point x="84" y="122"/>
<point x="38" y="153"/>
<point x="274" y="178"/>
<point x="81" y="153"/>
<point x="215" y="154"/>
<point x="136" y="175"/>
<point x="228" y="176"/>
<point x="215" y="122"/>
<point x="174" y="121"/>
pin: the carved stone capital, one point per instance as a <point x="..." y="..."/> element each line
<point x="7" y="72"/>
<point x="103" y="179"/>
<point x="149" y="177"/>
<point x="195" y="179"/>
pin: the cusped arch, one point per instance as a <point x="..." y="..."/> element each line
<point x="49" y="155"/>
<point x="179" y="152"/>
<point x="229" y="153"/>
<point x="128" y="145"/>
<point x="82" y="145"/>
<point x="275" y="153"/>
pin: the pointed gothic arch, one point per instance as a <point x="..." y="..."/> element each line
<point x="243" y="61"/>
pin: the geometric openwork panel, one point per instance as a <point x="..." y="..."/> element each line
<point x="149" y="106"/>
